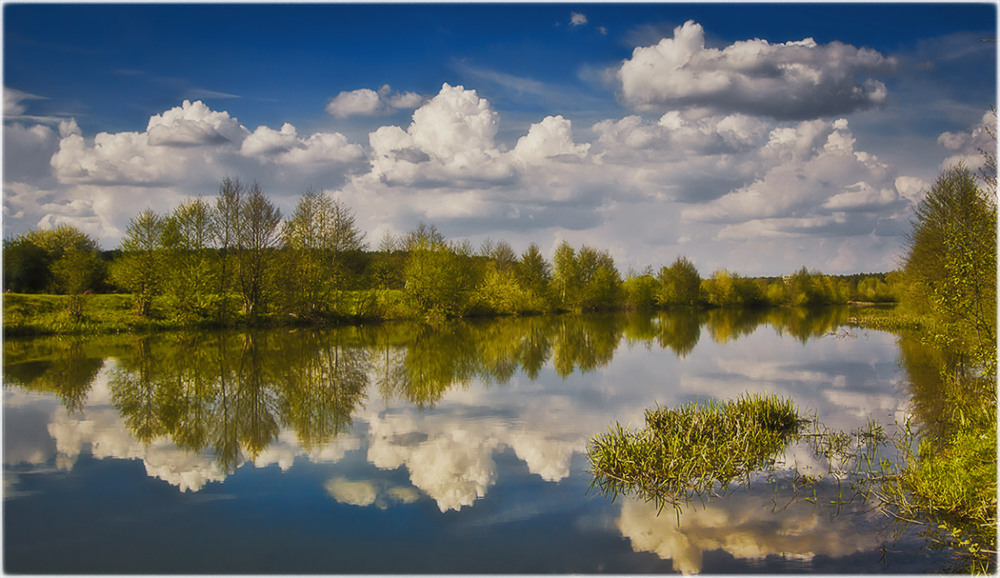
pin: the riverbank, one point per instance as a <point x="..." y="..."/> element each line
<point x="39" y="315"/>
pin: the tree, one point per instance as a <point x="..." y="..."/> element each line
<point x="140" y="269"/>
<point x="76" y="273"/>
<point x="257" y="236"/>
<point x="565" y="275"/>
<point x="680" y="284"/>
<point x="436" y="280"/>
<point x="600" y="282"/>
<point x="307" y="238"/>
<point x="225" y="227"/>
<point x="187" y="238"/>
<point x="951" y="262"/>
<point x="535" y="275"/>
<point x="32" y="262"/>
<point x="25" y="266"/>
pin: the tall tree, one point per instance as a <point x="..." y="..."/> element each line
<point x="307" y="238"/>
<point x="565" y="275"/>
<point x="187" y="238"/>
<point x="258" y="236"/>
<point x="951" y="262"/>
<point x="226" y="228"/>
<point x="535" y="274"/>
<point x="140" y="269"/>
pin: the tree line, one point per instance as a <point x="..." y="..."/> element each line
<point x="236" y="259"/>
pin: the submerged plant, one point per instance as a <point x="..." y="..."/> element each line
<point x="695" y="450"/>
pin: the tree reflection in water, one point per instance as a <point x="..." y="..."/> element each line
<point x="432" y="404"/>
<point x="233" y="392"/>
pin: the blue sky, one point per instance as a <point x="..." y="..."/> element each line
<point x="755" y="137"/>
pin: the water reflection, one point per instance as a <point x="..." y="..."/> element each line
<point x="437" y="403"/>
<point x="746" y="528"/>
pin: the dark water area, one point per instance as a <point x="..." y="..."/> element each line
<point x="403" y="448"/>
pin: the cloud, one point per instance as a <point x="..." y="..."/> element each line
<point x="450" y="142"/>
<point x="577" y="19"/>
<point x="193" y="124"/>
<point x="812" y="178"/>
<point x="27" y="150"/>
<point x="367" y="102"/>
<point x="286" y="148"/>
<point x="746" y="528"/>
<point x="965" y="146"/>
<point x="13" y="102"/>
<point x="553" y="137"/>
<point x="792" y="80"/>
<point x="369" y="492"/>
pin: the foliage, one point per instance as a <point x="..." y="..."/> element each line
<point x="951" y="264"/>
<point x="694" y="450"/>
<point x="62" y="260"/>
<point x="220" y="262"/>
<point x="639" y="292"/>
<point x="187" y="237"/>
<point x="680" y="284"/>
<point x="140" y="270"/>
<point x="257" y="237"/>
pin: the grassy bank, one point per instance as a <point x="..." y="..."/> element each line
<point x="25" y="314"/>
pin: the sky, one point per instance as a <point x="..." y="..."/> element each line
<point x="758" y="138"/>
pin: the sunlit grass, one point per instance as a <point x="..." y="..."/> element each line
<point x="695" y="450"/>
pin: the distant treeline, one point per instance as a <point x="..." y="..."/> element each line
<point x="235" y="259"/>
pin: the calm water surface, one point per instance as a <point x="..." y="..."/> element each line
<point x="410" y="449"/>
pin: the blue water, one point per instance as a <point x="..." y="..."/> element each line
<point x="485" y="473"/>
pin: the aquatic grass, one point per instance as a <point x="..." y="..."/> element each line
<point x="693" y="451"/>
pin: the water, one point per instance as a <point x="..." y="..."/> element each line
<point x="401" y="448"/>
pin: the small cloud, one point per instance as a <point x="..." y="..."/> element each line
<point x="367" y="102"/>
<point x="13" y="105"/>
<point x="577" y="19"/>
<point x="603" y="30"/>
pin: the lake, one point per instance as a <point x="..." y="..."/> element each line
<point x="404" y="448"/>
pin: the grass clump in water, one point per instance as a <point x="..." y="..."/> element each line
<point x="694" y="450"/>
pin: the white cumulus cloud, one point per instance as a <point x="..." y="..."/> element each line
<point x="792" y="80"/>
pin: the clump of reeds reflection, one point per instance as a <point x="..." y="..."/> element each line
<point x="695" y="450"/>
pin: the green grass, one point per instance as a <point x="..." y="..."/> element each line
<point x="49" y="314"/>
<point x="883" y="318"/>
<point x="694" y="450"/>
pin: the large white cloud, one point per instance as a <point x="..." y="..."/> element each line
<point x="812" y="179"/>
<point x="792" y="80"/>
<point x="449" y="144"/>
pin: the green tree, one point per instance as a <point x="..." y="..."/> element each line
<point x="25" y="266"/>
<point x="565" y="275"/>
<point x="76" y="273"/>
<point x="600" y="282"/>
<point x="307" y="239"/>
<point x="187" y="239"/>
<point x="258" y="236"/>
<point x="640" y="290"/>
<point x="436" y="280"/>
<point x="226" y="222"/>
<point x="140" y="269"/>
<point x="62" y="260"/>
<point x="680" y="284"/>
<point x="951" y="262"/>
<point x="535" y="275"/>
